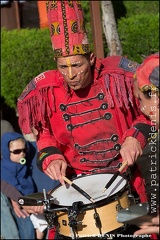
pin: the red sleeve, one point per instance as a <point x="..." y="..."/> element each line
<point x="48" y="149"/>
<point x="45" y="139"/>
<point x="140" y="129"/>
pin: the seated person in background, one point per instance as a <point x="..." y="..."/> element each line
<point x="9" y="229"/>
<point x="16" y="172"/>
<point x="146" y="89"/>
<point x="15" y="222"/>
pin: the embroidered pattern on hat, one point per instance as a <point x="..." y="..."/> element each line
<point x="58" y="52"/>
<point x="55" y="28"/>
<point x="74" y="26"/>
<point x="67" y="28"/>
<point x="81" y="49"/>
<point x="53" y="4"/>
<point x="70" y="3"/>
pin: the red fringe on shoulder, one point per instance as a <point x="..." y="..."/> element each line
<point x="119" y="90"/>
<point x="35" y="109"/>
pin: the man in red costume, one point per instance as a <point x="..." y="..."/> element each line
<point x="84" y="114"/>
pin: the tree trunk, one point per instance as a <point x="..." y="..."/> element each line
<point x="110" y="28"/>
<point x="10" y="18"/>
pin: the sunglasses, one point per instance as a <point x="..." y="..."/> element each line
<point x="18" y="151"/>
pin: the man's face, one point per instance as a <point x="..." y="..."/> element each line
<point x="76" y="70"/>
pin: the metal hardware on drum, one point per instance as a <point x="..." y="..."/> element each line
<point x="78" y="218"/>
<point x="36" y="199"/>
<point x="118" y="206"/>
<point x="72" y="217"/>
<point x="51" y="218"/>
<point x="97" y="220"/>
<point x="46" y="201"/>
<point x="131" y="198"/>
<point x="73" y="213"/>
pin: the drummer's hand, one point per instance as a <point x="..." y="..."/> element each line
<point x="18" y="211"/>
<point x="56" y="169"/>
<point x="130" y="150"/>
<point x="34" y="209"/>
<point x="149" y="228"/>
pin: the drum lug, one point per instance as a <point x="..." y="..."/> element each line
<point x="73" y="213"/>
<point x="73" y="223"/>
<point x="131" y="199"/>
<point x="97" y="220"/>
<point x="118" y="206"/>
<point x="51" y="219"/>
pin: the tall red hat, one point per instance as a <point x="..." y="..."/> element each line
<point x="67" y="28"/>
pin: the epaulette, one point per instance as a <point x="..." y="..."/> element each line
<point x="48" y="78"/>
<point x="119" y="64"/>
<point x="128" y="65"/>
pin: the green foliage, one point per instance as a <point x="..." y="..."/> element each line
<point x="140" y="7"/>
<point x="87" y="17"/>
<point x="25" y="53"/>
<point x="139" y="35"/>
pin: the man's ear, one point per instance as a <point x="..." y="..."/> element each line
<point x="92" y="58"/>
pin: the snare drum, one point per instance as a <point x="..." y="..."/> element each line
<point x="93" y="219"/>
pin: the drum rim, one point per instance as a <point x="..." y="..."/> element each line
<point x="98" y="203"/>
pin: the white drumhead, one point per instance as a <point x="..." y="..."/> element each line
<point x="93" y="185"/>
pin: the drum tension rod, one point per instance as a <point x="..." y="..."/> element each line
<point x="97" y="220"/>
<point x="118" y="206"/>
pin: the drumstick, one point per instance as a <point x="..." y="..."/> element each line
<point x="115" y="176"/>
<point x="78" y="189"/>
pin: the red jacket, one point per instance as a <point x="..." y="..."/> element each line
<point x="85" y="128"/>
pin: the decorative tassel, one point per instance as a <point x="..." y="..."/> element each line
<point x="35" y="109"/>
<point x="109" y="95"/>
<point x="119" y="90"/>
